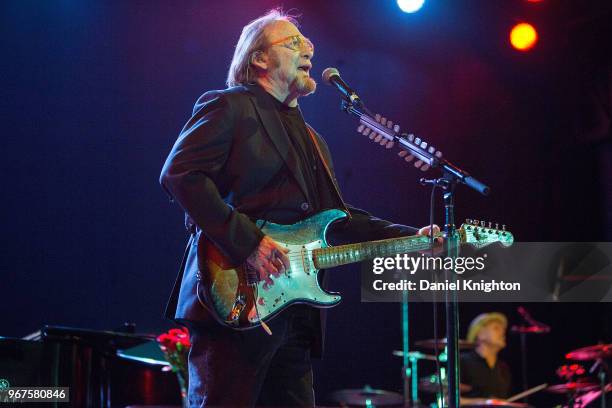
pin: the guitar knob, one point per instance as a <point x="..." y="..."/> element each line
<point x="468" y="221"/>
<point x="490" y="223"/>
<point x="396" y="128"/>
<point x="503" y="227"/>
<point x="482" y="223"/>
<point x="496" y="226"/>
<point x="410" y="137"/>
<point x="417" y="141"/>
<point x="423" y="145"/>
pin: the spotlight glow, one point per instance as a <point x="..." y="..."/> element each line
<point x="523" y="36"/>
<point x="410" y="6"/>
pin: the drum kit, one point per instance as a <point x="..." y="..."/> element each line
<point x="584" y="391"/>
<point x="580" y="392"/>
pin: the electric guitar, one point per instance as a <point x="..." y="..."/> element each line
<point x="237" y="299"/>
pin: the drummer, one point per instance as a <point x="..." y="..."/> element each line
<point x="488" y="376"/>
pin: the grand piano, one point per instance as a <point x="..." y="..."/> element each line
<point x="102" y="368"/>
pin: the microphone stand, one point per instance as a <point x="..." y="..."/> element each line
<point x="451" y="176"/>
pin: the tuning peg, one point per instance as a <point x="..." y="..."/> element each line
<point x="482" y="223"/>
<point x="410" y="137"/>
<point x="396" y="128"/>
<point x="490" y="223"/>
<point x="475" y="222"/>
<point x="468" y="221"/>
<point x="431" y="150"/>
<point x="423" y="145"/>
<point x="503" y="227"/>
<point x="417" y="141"/>
<point x="496" y="226"/>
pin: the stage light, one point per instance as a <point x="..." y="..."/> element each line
<point x="523" y="36"/>
<point x="410" y="6"/>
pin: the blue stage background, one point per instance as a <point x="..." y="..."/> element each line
<point x="95" y="93"/>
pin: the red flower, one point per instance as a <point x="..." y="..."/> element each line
<point x="167" y="342"/>
<point x="179" y="333"/>
<point x="185" y="342"/>
<point x="172" y="338"/>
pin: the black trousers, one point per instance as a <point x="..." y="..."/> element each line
<point x="229" y="368"/>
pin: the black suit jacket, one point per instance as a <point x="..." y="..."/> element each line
<point x="227" y="168"/>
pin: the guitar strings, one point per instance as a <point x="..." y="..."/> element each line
<point x="333" y="257"/>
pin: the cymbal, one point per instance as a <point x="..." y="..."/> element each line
<point x="494" y="403"/>
<point x="430" y="384"/>
<point x="590" y="353"/>
<point x="367" y="396"/>
<point x="441" y="343"/>
<point x="572" y="387"/>
<point x="417" y="355"/>
<point x="530" y="329"/>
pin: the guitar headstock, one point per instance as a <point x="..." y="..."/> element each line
<point x="480" y="233"/>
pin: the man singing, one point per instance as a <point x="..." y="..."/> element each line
<point x="247" y="154"/>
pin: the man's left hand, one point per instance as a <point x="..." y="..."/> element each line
<point x="426" y="231"/>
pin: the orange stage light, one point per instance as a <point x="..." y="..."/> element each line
<point x="523" y="36"/>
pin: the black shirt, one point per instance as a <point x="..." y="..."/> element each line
<point x="320" y="190"/>
<point x="486" y="382"/>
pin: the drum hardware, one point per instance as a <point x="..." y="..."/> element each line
<point x="484" y="403"/>
<point x="433" y="344"/>
<point x="532" y="327"/>
<point x="417" y="355"/>
<point x="572" y="387"/>
<point x="366" y="397"/>
<point x="582" y="391"/>
<point x="574" y="391"/>
<point x="414" y="357"/>
<point x="598" y="353"/>
<point x="430" y="385"/>
<point x="569" y="371"/>
<point x="441" y="344"/>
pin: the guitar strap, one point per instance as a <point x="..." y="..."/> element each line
<point x="327" y="170"/>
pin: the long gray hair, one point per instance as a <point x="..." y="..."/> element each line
<point x="251" y="40"/>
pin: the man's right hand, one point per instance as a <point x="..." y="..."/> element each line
<point x="270" y="258"/>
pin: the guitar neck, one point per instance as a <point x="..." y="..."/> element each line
<point x="345" y="254"/>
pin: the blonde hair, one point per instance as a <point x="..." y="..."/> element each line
<point x="481" y="321"/>
<point x="253" y="39"/>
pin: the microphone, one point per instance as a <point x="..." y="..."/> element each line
<point x="331" y="76"/>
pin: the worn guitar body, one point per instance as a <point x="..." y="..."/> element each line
<point x="236" y="296"/>
<point x="239" y="301"/>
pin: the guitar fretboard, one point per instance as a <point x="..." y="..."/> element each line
<point x="350" y="253"/>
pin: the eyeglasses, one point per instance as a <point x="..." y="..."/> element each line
<point x="294" y="42"/>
